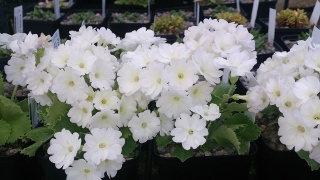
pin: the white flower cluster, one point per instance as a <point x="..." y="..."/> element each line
<point x="291" y="82"/>
<point x="107" y="93"/>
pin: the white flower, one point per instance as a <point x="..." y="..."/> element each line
<point x="170" y="52"/>
<point x="145" y="126"/>
<point x="174" y="102"/>
<point x="142" y="56"/>
<point x="106" y="99"/>
<point x="311" y="109"/>
<point x="129" y="78"/>
<point x="82" y="170"/>
<point x="224" y="43"/>
<point x="111" y="166"/>
<point x="14" y="71"/>
<point x="257" y="99"/>
<point x="105" y="119"/>
<point x="102" y="144"/>
<point x="275" y="86"/>
<point x="312" y="60"/>
<point x="209" y="113"/>
<point x="204" y="62"/>
<point x="315" y="153"/>
<point x="81" y="61"/>
<point x="238" y="62"/>
<point x="60" y="56"/>
<point x="126" y="109"/>
<point x="182" y="74"/>
<point x="42" y="99"/>
<point x="200" y="93"/>
<point x="70" y="86"/>
<point x="306" y="88"/>
<point x="190" y="131"/>
<point x="39" y="82"/>
<point x="63" y="148"/>
<point x="102" y="75"/>
<point x="80" y="113"/>
<point x="153" y="79"/>
<point x="287" y="101"/>
<point x="297" y="131"/>
<point x="108" y="37"/>
<point x="166" y="124"/>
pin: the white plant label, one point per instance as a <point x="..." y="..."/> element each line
<point x="195" y="10"/>
<point x="149" y="10"/>
<point x="252" y="80"/>
<point x="254" y="12"/>
<point x="103" y="9"/>
<point x="272" y="25"/>
<point x="83" y="23"/>
<point x="316" y="35"/>
<point x="225" y="76"/>
<point x="55" y="40"/>
<point x="198" y="13"/>
<point x="70" y="3"/>
<point x="238" y="6"/>
<point x="315" y="13"/>
<point x="18" y="19"/>
<point x="57" y="9"/>
<point x="34" y="107"/>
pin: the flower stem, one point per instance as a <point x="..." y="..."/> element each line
<point x="14" y="92"/>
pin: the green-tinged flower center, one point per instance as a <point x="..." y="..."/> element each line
<point x="42" y="80"/>
<point x="288" y="104"/>
<point x="195" y="91"/>
<point x="70" y="148"/>
<point x="84" y="110"/>
<point x="89" y="98"/>
<point x="121" y="109"/>
<point x="190" y="131"/>
<point x="22" y="68"/>
<point x="176" y="98"/>
<point x="316" y="116"/>
<point x="159" y="81"/>
<point x="318" y="65"/>
<point x="206" y="114"/>
<point x="71" y="83"/>
<point x="180" y="76"/>
<point x="264" y="99"/>
<point x="301" y="129"/>
<point x="103" y="101"/>
<point x="81" y="65"/>
<point x="144" y="125"/>
<point x="96" y="75"/>
<point x="136" y="79"/>
<point x="104" y="117"/>
<point x="86" y="170"/>
<point x="102" y="145"/>
<point x="278" y="93"/>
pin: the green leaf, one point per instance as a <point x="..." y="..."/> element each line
<point x="37" y="133"/>
<point x="20" y="124"/>
<point x="181" y="153"/>
<point x="31" y="150"/>
<point x="129" y="146"/>
<point x="212" y="127"/>
<point x="221" y="89"/>
<point x="163" y="141"/>
<point x="237" y="107"/>
<point x="208" y="145"/>
<point x="248" y="131"/>
<point x="24" y="105"/>
<point x="8" y="108"/>
<point x="271" y="109"/>
<point x="5" y="131"/>
<point x="65" y="122"/>
<point x="125" y="132"/>
<point x="314" y="165"/>
<point x="234" y="79"/>
<point x="226" y="137"/>
<point x="2" y="83"/>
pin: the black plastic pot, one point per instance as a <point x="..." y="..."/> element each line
<point x="3" y="62"/>
<point x="11" y="167"/>
<point x="273" y="164"/>
<point x="38" y="27"/>
<point x="170" y="38"/>
<point x="183" y="8"/>
<point x="262" y="57"/>
<point x="291" y="38"/>
<point x="208" y="167"/>
<point x="5" y="25"/>
<point x="279" y="32"/>
<point x="65" y="10"/>
<point x="263" y="9"/>
<point x="167" y="3"/>
<point x="203" y="8"/>
<point x="120" y="29"/>
<point x="65" y="29"/>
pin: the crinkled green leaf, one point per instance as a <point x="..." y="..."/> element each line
<point x="31" y="150"/>
<point x="181" y="153"/>
<point x="248" y="130"/>
<point x="223" y="88"/>
<point x="64" y="122"/>
<point x="232" y="79"/>
<point x="237" y="107"/>
<point x="37" y="133"/>
<point x="314" y="165"/>
<point x="129" y="146"/>
<point x="270" y="110"/>
<point x="20" y="124"/>
<point x="5" y="131"/>
<point x="125" y="132"/>
<point x="24" y="105"/>
<point x="8" y="108"/>
<point x="226" y="137"/>
<point x="244" y="146"/>
<point x="208" y="145"/>
<point x="2" y="83"/>
<point x="212" y="127"/>
<point x="163" y="141"/>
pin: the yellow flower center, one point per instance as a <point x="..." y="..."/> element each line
<point x="89" y="98"/>
<point x="288" y="104"/>
<point x="176" y="98"/>
<point x="42" y="80"/>
<point x="81" y="65"/>
<point x="71" y="83"/>
<point x="180" y="76"/>
<point x="84" y="110"/>
<point x="102" y="145"/>
<point x="278" y="93"/>
<point x="159" y="81"/>
<point x="301" y="129"/>
<point x="103" y="101"/>
<point x="144" y="125"/>
<point x="22" y="68"/>
<point x="86" y="170"/>
<point x="104" y="117"/>
<point x="96" y="75"/>
<point x="195" y="91"/>
<point x="70" y="148"/>
<point x="190" y="131"/>
<point x="136" y="79"/>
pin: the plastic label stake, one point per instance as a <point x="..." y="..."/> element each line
<point x="149" y="10"/>
<point x="315" y="13"/>
<point x="55" y="40"/>
<point x="316" y="35"/>
<point x="254" y="12"/>
<point x="57" y="9"/>
<point x="83" y="23"/>
<point x="70" y="3"/>
<point x="225" y="76"/>
<point x="34" y="107"/>
<point x="18" y="20"/>
<point x="198" y="13"/>
<point x="103" y="9"/>
<point x="238" y="6"/>
<point x="272" y="25"/>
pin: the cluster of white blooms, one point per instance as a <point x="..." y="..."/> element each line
<point x="291" y="82"/>
<point x="106" y="93"/>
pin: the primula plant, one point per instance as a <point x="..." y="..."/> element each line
<point x="291" y="81"/>
<point x="292" y="18"/>
<point x="232" y="17"/>
<point x="39" y="14"/>
<point x="89" y="17"/>
<point x="143" y="3"/>
<point x="5" y="40"/>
